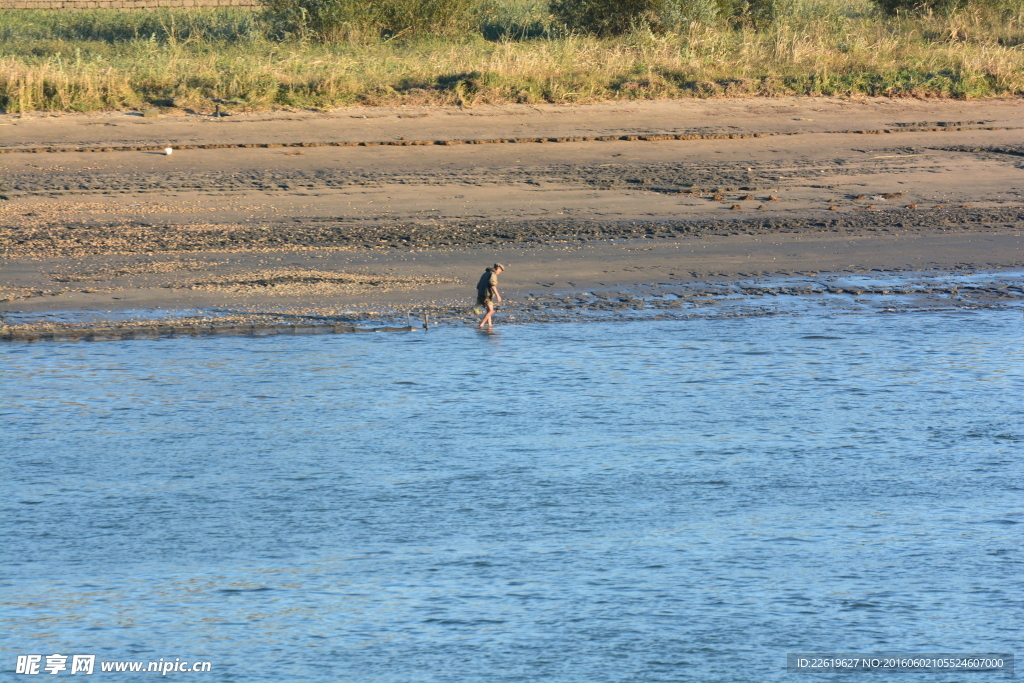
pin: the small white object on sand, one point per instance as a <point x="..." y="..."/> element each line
<point x="168" y="150"/>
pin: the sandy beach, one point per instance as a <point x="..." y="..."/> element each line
<point x="375" y="214"/>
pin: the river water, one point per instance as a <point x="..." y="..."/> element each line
<point x="611" y="501"/>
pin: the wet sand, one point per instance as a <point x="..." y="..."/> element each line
<point x="618" y="201"/>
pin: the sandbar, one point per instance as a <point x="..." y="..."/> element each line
<point x="374" y="215"/>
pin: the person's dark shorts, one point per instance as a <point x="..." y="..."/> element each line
<point x="483" y="299"/>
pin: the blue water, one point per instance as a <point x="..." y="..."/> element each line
<point x="645" y="501"/>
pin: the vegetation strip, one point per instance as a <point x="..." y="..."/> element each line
<point x="323" y="54"/>
<point x="656" y="137"/>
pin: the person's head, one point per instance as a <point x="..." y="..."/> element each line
<point x="497" y="267"/>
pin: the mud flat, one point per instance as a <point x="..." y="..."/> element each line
<point x="340" y="220"/>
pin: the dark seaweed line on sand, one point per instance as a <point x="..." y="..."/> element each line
<point x="456" y="233"/>
<point x="656" y="137"/>
<point x="670" y="178"/>
<point x="328" y="233"/>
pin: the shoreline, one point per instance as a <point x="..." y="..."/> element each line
<point x="807" y="293"/>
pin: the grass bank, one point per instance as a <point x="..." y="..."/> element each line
<point x="103" y="59"/>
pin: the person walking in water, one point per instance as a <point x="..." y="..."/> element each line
<point x="487" y="293"/>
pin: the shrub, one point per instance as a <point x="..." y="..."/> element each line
<point x="947" y="7"/>
<point x="330" y="20"/>
<point x="612" y="17"/>
<point x="607" y="17"/>
<point x="112" y="26"/>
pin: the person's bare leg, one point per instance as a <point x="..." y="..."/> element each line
<point x="486" y="322"/>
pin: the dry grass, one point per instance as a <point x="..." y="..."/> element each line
<point x="816" y="47"/>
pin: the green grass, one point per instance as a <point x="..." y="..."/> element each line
<point x="94" y="60"/>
